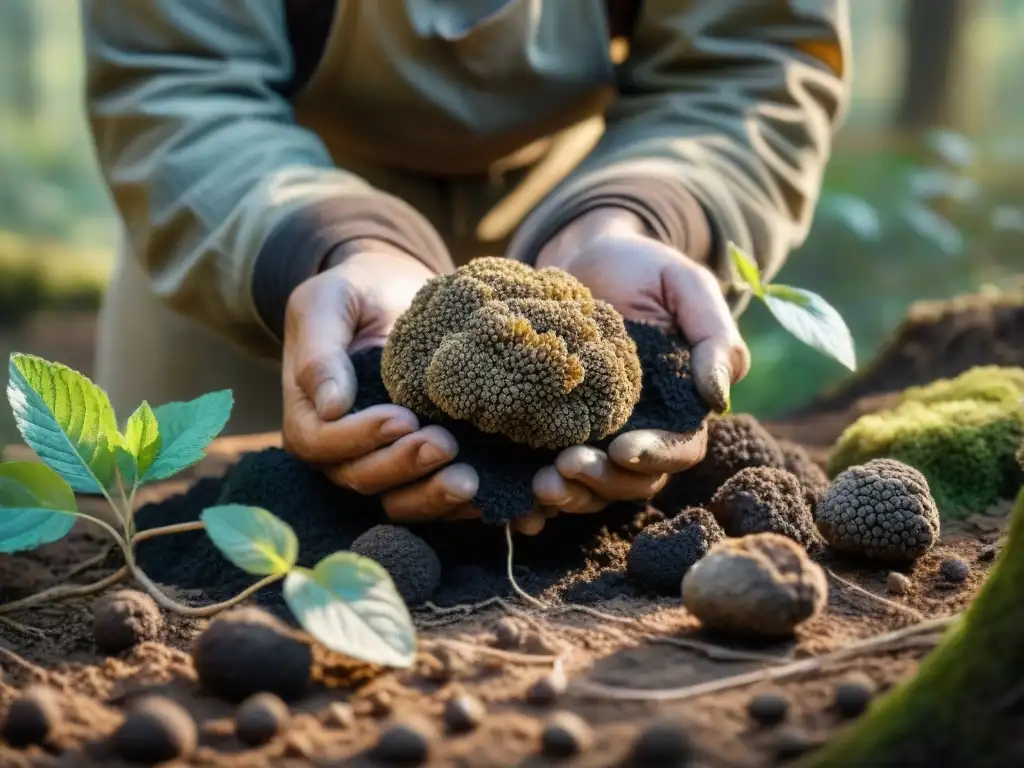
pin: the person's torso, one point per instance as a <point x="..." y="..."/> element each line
<point x="450" y="86"/>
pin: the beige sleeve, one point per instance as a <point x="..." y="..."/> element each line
<point x="721" y="131"/>
<point x="227" y="202"/>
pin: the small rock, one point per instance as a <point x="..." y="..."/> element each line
<point x="508" y="633"/>
<point x="125" y="618"/>
<point x="954" y="570"/>
<point x="791" y="743"/>
<point x="852" y="697"/>
<point x="897" y="583"/>
<point x="988" y="552"/>
<point x="662" y="744"/>
<point x="566" y="734"/>
<point x="404" y="743"/>
<point x="547" y="689"/>
<point x="768" y="708"/>
<point x="463" y="713"/>
<point x="341" y="714"/>
<point x="155" y="730"/>
<point x="246" y="651"/>
<point x="260" y="718"/>
<point x="32" y="717"/>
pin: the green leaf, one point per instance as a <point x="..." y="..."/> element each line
<point x="186" y="429"/>
<point x="813" y="321"/>
<point x="747" y="269"/>
<point x="66" y="419"/>
<point x="253" y="539"/>
<point x="140" y="446"/>
<point x="349" y="603"/>
<point x="36" y="506"/>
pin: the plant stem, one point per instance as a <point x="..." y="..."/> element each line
<point x="198" y="611"/>
<point x="152" y="533"/>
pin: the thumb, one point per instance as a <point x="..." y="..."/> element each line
<point x="717" y="364"/>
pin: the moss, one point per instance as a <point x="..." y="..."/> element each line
<point x="963" y="705"/>
<point x="962" y="434"/>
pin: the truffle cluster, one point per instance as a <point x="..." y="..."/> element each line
<point x="525" y="353"/>
<point x="882" y="510"/>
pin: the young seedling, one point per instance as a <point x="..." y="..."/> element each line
<point x="347" y="602"/>
<point x="804" y="314"/>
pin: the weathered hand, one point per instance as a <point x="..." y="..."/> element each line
<point x="352" y="305"/>
<point x="648" y="281"/>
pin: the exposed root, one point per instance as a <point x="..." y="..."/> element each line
<point x="716" y="652"/>
<point x="904" y="609"/>
<point x="24" y="629"/>
<point x="64" y="592"/>
<point x="512" y="579"/>
<point x="22" y="662"/>
<point x="512" y="656"/>
<point x="91" y="562"/>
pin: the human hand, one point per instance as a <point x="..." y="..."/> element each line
<point x="648" y="281"/>
<point x="350" y="306"/>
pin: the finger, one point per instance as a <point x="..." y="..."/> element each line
<point x="529" y="525"/>
<point x="717" y="364"/>
<point x="592" y="468"/>
<point x="656" y="451"/>
<point x="441" y="493"/>
<point x="553" y="490"/>
<point x="410" y="458"/>
<point x="351" y="437"/>
<point x="465" y="512"/>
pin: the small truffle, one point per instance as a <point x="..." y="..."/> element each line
<point x="954" y="570"/>
<point x="155" y="730"/>
<point x="404" y="743"/>
<point x="663" y="552"/>
<point x="882" y="510"/>
<point x="662" y="744"/>
<point x="548" y="688"/>
<point x="791" y="743"/>
<point x="32" y="717"/>
<point x="246" y="651"/>
<point x="412" y="563"/>
<point x="566" y="734"/>
<point x="463" y="713"/>
<point x="812" y="477"/>
<point x="852" y="697"/>
<point x="123" y="619"/>
<point x="762" y="584"/>
<point x="260" y="718"/>
<point x="768" y="708"/>
<point x="897" y="583"/>
<point x="766" y="500"/>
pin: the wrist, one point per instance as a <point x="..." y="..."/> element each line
<point x="586" y="230"/>
<point x="365" y="247"/>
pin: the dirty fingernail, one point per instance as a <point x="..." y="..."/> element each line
<point x="326" y="397"/>
<point x="720" y="389"/>
<point x="430" y="454"/>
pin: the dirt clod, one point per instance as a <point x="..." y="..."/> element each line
<point x="405" y="743"/>
<point x="954" y="570"/>
<point x="565" y="734"/>
<point x="663" y="552"/>
<point x="125" y="618"/>
<point x="768" y="709"/>
<point x="463" y="713"/>
<point x="32" y="717"/>
<point x="155" y="730"/>
<point x="508" y="633"/>
<point x="340" y="714"/>
<point x="412" y="563"/>
<point x="260" y="718"/>
<point x="548" y="688"/>
<point x="897" y="583"/>
<point x="662" y="744"/>
<point x="988" y="553"/>
<point x="763" y="584"/>
<point x="852" y="697"/>
<point x="246" y="651"/>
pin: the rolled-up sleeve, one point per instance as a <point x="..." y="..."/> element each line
<point x="721" y="131"/>
<point x="227" y="202"/>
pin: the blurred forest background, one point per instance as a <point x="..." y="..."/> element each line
<point x="924" y="197"/>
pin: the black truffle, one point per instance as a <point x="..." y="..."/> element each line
<point x="766" y="500"/>
<point x="155" y="730"/>
<point x="565" y="734"/>
<point x="662" y="744"/>
<point x="791" y="743"/>
<point x="547" y="689"/>
<point x="463" y="713"/>
<point x="812" y="477"/>
<point x="247" y="651"/>
<point x="404" y="743"/>
<point x="852" y="697"/>
<point x="409" y="560"/>
<point x="32" y="717"/>
<point x="881" y="510"/>
<point x="260" y="718"/>
<point x="663" y="552"/>
<point x="123" y="619"/>
<point x="768" y="708"/>
<point x="954" y="570"/>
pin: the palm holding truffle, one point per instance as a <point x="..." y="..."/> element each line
<point x="353" y="305"/>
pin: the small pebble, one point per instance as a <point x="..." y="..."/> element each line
<point x="404" y="743"/>
<point x="123" y="619"/>
<point x="260" y="718"/>
<point x="768" y="708"/>
<point x="341" y="715"/>
<point x="32" y="717"/>
<point x="897" y="583"/>
<point x="565" y="735"/>
<point x="852" y="697"/>
<point x="663" y="744"/>
<point x="463" y="713"/>
<point x="155" y="730"/>
<point x="791" y="743"/>
<point x="508" y="633"/>
<point x="548" y="688"/>
<point x="988" y="552"/>
<point x="954" y="570"/>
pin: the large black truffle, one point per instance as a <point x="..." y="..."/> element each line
<point x="246" y="651"/>
<point x="32" y="717"/>
<point x="766" y="500"/>
<point x="155" y="730"/>
<point x="125" y="618"/>
<point x="412" y="564"/>
<point x="881" y="510"/>
<point x="662" y="553"/>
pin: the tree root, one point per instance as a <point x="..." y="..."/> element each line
<point x="904" y="609"/>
